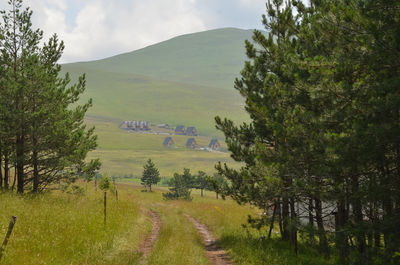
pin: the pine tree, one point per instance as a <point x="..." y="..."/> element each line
<point x="180" y="186"/>
<point x="43" y="134"/>
<point x="151" y="175"/>
<point x="201" y="182"/>
<point x="322" y="92"/>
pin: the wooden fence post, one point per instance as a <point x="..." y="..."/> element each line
<point x="10" y="228"/>
<point x="105" y="208"/>
<point x="116" y="190"/>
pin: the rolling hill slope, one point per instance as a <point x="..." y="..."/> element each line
<point x="187" y="80"/>
<point x="210" y="58"/>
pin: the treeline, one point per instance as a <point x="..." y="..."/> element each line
<point x="181" y="185"/>
<point x="42" y="135"/>
<point x="322" y="151"/>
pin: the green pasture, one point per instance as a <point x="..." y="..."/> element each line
<point x="124" y="153"/>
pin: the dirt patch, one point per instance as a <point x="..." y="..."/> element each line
<point x="147" y="244"/>
<point x="214" y="253"/>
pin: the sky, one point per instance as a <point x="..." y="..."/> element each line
<point x="96" y="29"/>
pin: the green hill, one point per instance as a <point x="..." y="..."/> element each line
<point x="211" y="58"/>
<point x="179" y="81"/>
<point x="187" y="80"/>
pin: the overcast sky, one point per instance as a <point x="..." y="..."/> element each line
<point x="95" y="29"/>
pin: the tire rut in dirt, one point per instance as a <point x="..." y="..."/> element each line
<point x="147" y="244"/>
<point x="214" y="253"/>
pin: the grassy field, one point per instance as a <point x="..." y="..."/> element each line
<point x="123" y="152"/>
<point x="60" y="228"/>
<point x="225" y="218"/>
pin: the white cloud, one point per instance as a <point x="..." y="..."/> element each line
<point x="253" y="3"/>
<point x="104" y="28"/>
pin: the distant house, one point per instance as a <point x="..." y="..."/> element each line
<point x="168" y="142"/>
<point x="191" y="131"/>
<point x="124" y="125"/>
<point x="180" y="130"/>
<point x="191" y="143"/>
<point x="136" y="125"/>
<point x="163" y="125"/>
<point x="214" y="144"/>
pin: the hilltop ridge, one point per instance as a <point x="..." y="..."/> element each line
<point x="210" y="58"/>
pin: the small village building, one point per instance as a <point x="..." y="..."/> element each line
<point x="163" y="126"/>
<point x="136" y="125"/>
<point x="168" y="142"/>
<point x="180" y="130"/>
<point x="191" y="131"/>
<point x="191" y="143"/>
<point x="214" y="144"/>
<point x="124" y="125"/>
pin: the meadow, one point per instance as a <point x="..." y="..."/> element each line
<point x="61" y="228"/>
<point x="124" y="153"/>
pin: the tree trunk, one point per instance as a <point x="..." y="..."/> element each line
<point x="35" y="167"/>
<point x="201" y="192"/>
<point x="272" y="221"/>
<point x="20" y="163"/>
<point x="15" y="177"/>
<point x="311" y="220"/>
<point x="280" y="216"/>
<point x="341" y="234"/>
<point x="358" y="216"/>
<point x="377" y="234"/>
<point x="293" y="230"/>
<point x="6" y="171"/>
<point x="150" y="187"/>
<point x="1" y="170"/>
<point x="388" y="233"/>
<point x="323" y="242"/>
<point x="285" y="218"/>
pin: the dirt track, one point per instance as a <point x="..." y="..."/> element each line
<point x="147" y="244"/>
<point x="214" y="253"/>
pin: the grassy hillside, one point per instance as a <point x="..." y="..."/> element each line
<point x="187" y="80"/>
<point x="133" y="97"/>
<point x="211" y="58"/>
